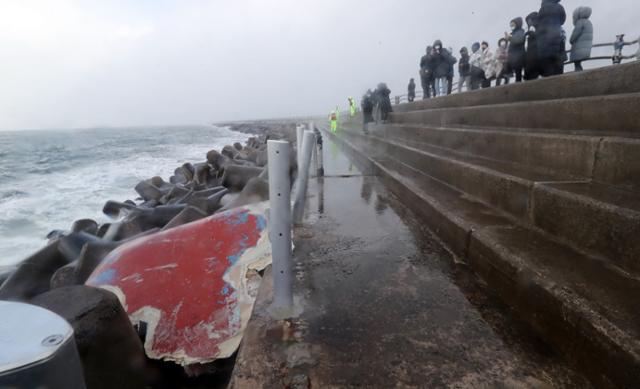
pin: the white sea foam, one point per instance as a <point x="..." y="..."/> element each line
<point x="36" y="203"/>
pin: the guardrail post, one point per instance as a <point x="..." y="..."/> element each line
<point x="314" y="149"/>
<point x="318" y="146"/>
<point x="303" y="177"/>
<point x="280" y="223"/>
<point x="299" y="136"/>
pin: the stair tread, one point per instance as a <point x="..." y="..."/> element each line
<point x="606" y="289"/>
<point x="514" y="170"/>
<point x="552" y="133"/>
<point x="612" y="196"/>
<point x="497" y="106"/>
<point x="601" y="287"/>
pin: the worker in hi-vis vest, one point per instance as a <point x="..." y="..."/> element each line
<point x="352" y="107"/>
<point x="333" y="118"/>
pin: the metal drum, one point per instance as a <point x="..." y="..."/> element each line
<point x="37" y="349"/>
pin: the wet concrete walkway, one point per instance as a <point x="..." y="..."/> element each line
<point x="385" y="306"/>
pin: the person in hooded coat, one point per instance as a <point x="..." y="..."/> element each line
<point x="516" y="48"/>
<point x="383" y="92"/>
<point x="411" y="90"/>
<point x="582" y="37"/>
<point x="441" y="62"/>
<point x="531" y="67"/>
<point x="367" y="104"/>
<point x="464" y="70"/>
<point x="425" y="74"/>
<point x="551" y="41"/>
<point x="501" y="68"/>
<point x="488" y="65"/>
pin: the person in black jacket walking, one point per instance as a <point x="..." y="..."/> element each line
<point x="382" y="94"/>
<point x="551" y="39"/>
<point x="516" y="48"/>
<point x="367" y="104"/>
<point x="464" y="70"/>
<point x="531" y="66"/>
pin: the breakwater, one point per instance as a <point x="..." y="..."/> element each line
<point x="111" y="348"/>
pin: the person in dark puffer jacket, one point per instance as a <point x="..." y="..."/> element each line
<point x="551" y="50"/>
<point x="441" y="63"/>
<point x="516" y="40"/>
<point x="532" y="67"/>
<point x="582" y="37"/>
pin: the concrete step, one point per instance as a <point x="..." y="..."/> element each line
<point x="613" y="113"/>
<point x="506" y="186"/>
<point x="611" y="160"/>
<point x="599" y="219"/>
<point x="603" y="81"/>
<point x="595" y="217"/>
<point x="583" y="306"/>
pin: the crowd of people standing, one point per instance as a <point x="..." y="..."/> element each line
<point x="538" y="51"/>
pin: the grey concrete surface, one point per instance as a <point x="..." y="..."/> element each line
<point x="593" y="217"/>
<point x="385" y="305"/>
<point x="569" y="298"/>
<point x="613" y="113"/>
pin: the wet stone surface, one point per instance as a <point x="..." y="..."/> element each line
<point x="385" y="305"/>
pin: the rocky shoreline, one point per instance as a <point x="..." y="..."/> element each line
<point x="110" y="347"/>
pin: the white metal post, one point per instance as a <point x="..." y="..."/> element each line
<point x="319" y="146"/>
<point x="303" y="176"/>
<point x="280" y="223"/>
<point x="315" y="150"/>
<point x="299" y="140"/>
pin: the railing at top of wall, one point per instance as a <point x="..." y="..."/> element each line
<point x="616" y="58"/>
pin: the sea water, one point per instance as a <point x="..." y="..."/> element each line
<point x="50" y="178"/>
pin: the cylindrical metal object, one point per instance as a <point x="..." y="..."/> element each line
<point x="280" y="222"/>
<point x="37" y="349"/>
<point x="315" y="150"/>
<point x="319" y="145"/>
<point x="299" y="138"/>
<point x="303" y="176"/>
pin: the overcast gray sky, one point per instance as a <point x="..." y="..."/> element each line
<point x="85" y="63"/>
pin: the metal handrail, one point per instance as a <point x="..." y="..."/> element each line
<point x="399" y="99"/>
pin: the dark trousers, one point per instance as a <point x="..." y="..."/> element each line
<point x="578" y="65"/>
<point x="551" y="66"/>
<point x="427" y="87"/>
<point x="449" y="84"/>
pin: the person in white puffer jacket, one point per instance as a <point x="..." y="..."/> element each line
<point x="488" y="65"/>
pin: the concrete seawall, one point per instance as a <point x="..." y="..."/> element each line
<point x="523" y="184"/>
